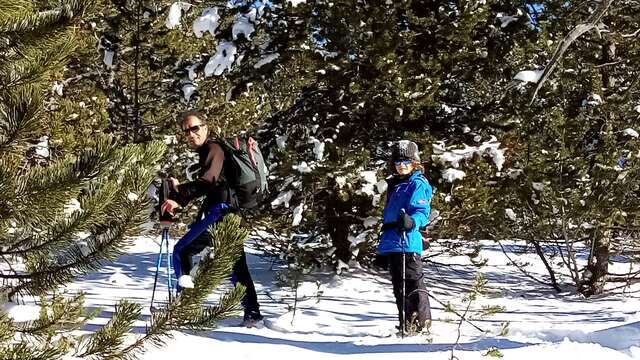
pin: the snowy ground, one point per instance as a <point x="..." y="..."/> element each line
<point x="354" y="314"/>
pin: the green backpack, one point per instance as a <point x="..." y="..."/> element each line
<point x="245" y="170"/>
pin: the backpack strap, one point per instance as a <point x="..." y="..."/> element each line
<point x="232" y="198"/>
<point x="251" y="149"/>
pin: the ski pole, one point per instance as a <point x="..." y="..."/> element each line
<point x="404" y="283"/>
<point x="155" y="280"/>
<point x="165" y="233"/>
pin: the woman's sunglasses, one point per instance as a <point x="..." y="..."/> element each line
<point x="193" y="129"/>
<point x="405" y="162"/>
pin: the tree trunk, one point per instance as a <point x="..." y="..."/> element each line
<point x="594" y="277"/>
<point x="338" y="226"/>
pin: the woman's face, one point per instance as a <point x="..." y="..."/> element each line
<point x="404" y="166"/>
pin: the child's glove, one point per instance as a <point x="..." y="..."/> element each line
<point x="406" y="221"/>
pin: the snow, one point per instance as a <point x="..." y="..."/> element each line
<point x="222" y="60"/>
<point x="108" y="58"/>
<point x="341" y="181"/>
<point x="282" y="199"/>
<point x="132" y="197"/>
<point x="451" y="175"/>
<point x="20" y="313"/>
<point x="532" y="76"/>
<point x="175" y="13"/>
<point x="368" y="189"/>
<point x="297" y="214"/>
<point x="587" y="226"/>
<point x="631" y="132"/>
<point x="362" y="237"/>
<point x="370" y="180"/>
<point x="57" y="88"/>
<point x="318" y="148"/>
<point x="593" y="100"/>
<point x="83" y="245"/>
<point x="369" y="176"/>
<point x="42" y="147"/>
<point x="514" y="173"/>
<point x="302" y="168"/>
<point x="187" y="91"/>
<point x="192" y="71"/>
<point x="538" y="186"/>
<point x="490" y="147"/>
<point x="13" y="226"/>
<point x="447" y="109"/>
<point x="208" y="21"/>
<point x="119" y="278"/>
<point x="265" y="60"/>
<point x="281" y="141"/>
<point x="505" y="20"/>
<point x="295" y="3"/>
<point x="186" y="281"/>
<point x="242" y="26"/>
<point x="510" y="214"/>
<point x="170" y="139"/>
<point x="637" y="109"/>
<point x="72" y="206"/>
<point x="370" y="222"/>
<point x="354" y="315"/>
<point x="381" y="186"/>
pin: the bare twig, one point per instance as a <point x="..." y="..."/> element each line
<point x="633" y="34"/>
<point x="523" y="271"/>
<point x="608" y="64"/>
<point x="462" y="317"/>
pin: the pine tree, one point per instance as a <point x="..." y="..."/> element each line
<point x="344" y="79"/>
<point x="577" y="145"/>
<point x="64" y="213"/>
<point x="427" y="71"/>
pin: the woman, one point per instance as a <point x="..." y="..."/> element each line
<point x="406" y="211"/>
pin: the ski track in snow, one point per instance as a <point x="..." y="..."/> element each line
<point x="355" y="315"/>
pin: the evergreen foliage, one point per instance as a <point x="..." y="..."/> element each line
<point x="64" y="213"/>
<point x="346" y="78"/>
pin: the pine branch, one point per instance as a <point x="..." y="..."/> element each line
<point x="56" y="315"/>
<point x="186" y="310"/>
<point x="228" y="240"/>
<point x="224" y="256"/>
<point x="205" y="318"/>
<point x="7" y="327"/>
<point x="25" y="351"/>
<point x="60" y="233"/>
<point x="40" y="188"/>
<point x="48" y="273"/>
<point x="23" y="21"/>
<point x="157" y="331"/>
<point x="19" y="123"/>
<point x="106" y="343"/>
<point x="34" y="63"/>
